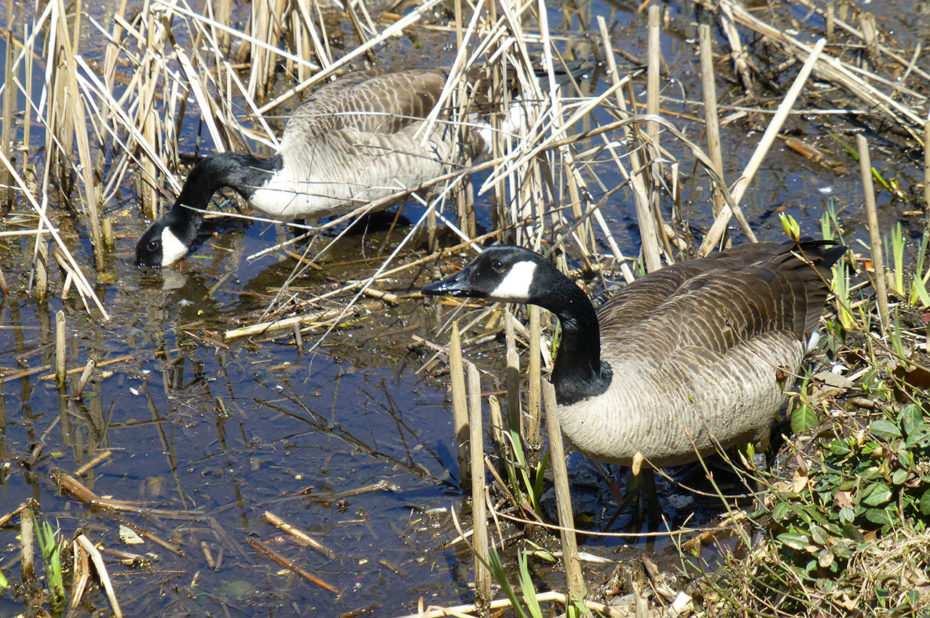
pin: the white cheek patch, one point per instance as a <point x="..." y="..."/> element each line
<point x="515" y="287"/>
<point x="172" y="249"/>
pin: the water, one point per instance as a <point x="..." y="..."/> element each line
<point x="348" y="442"/>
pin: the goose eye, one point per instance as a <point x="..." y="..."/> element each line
<point x="154" y="244"/>
<point x="497" y="266"/>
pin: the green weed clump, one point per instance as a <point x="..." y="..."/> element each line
<point x="848" y="533"/>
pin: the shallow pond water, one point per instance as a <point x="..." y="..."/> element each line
<point x="346" y="441"/>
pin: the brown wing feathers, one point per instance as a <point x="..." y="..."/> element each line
<point x="726" y="299"/>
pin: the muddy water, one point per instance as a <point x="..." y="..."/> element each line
<point x="347" y="441"/>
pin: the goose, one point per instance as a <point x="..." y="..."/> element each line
<point x="685" y="361"/>
<point x="354" y="140"/>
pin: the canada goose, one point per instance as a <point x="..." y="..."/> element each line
<point x="354" y="140"/>
<point x="702" y="350"/>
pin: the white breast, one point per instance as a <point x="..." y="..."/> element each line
<point x="687" y="402"/>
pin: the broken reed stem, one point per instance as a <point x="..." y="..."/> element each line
<point x="563" y="497"/>
<point x="289" y="564"/>
<point x="101" y="568"/>
<point x="534" y="396"/>
<point x="86" y="375"/>
<point x="497" y="423"/>
<point x="648" y="233"/>
<point x="768" y="138"/>
<point x="512" y="376"/>
<point x="478" y="506"/>
<point x="60" y="348"/>
<point x="875" y="236"/>
<point x="222" y="13"/>
<point x="40" y="291"/>
<point x="459" y="403"/>
<point x="711" y="118"/>
<point x="653" y="77"/>
<point x="27" y="545"/>
<point x="927" y="172"/>
<point x="75" y="127"/>
<point x="302" y="537"/>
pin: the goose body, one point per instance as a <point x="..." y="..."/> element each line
<point x="353" y="141"/>
<point x="699" y="351"/>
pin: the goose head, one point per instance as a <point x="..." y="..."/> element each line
<point x="160" y="245"/>
<point x="503" y="273"/>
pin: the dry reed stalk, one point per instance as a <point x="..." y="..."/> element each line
<point x="250" y="40"/>
<point x="302" y="537"/>
<point x="840" y="21"/>
<point x="86" y="375"/>
<point x="397" y="27"/>
<point x="478" y="504"/>
<point x="551" y="596"/>
<point x="81" y="282"/>
<point x="711" y="119"/>
<point x="634" y="176"/>
<point x="534" y="375"/>
<point x="66" y="81"/>
<point x="927" y="172"/>
<point x="573" y="576"/>
<point x="263" y="548"/>
<point x="320" y="50"/>
<point x="106" y="227"/>
<point x="875" y="236"/>
<point x="577" y="190"/>
<point x="653" y="76"/>
<point x="40" y="262"/>
<point x="27" y="545"/>
<point x="643" y="200"/>
<point x="222" y="13"/>
<point x="497" y="423"/>
<point x="768" y="138"/>
<point x="738" y="54"/>
<point x="512" y="376"/>
<point x="58" y="119"/>
<point x="459" y="404"/>
<point x="842" y="74"/>
<point x="262" y="27"/>
<point x="101" y="568"/>
<point x="7" y="196"/>
<point x="28" y="54"/>
<point x="80" y="574"/>
<point x="61" y="349"/>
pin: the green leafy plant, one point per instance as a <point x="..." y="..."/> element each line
<point x="790" y="225"/>
<point x="919" y="283"/>
<point x="875" y="480"/>
<point x="524" y="480"/>
<point x="51" y="545"/>
<point x="897" y="254"/>
<point x="526" y="606"/>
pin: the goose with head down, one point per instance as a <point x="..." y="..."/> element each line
<point x="355" y="140"/>
<point x="686" y="360"/>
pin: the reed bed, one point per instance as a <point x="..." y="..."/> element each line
<point x="162" y="68"/>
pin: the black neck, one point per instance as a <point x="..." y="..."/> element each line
<point x="243" y="172"/>
<point x="578" y="372"/>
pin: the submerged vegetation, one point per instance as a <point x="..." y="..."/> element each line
<point x="101" y="116"/>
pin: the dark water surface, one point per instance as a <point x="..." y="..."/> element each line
<point x="346" y="441"/>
